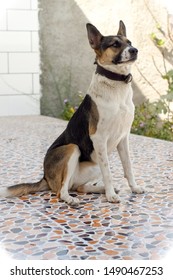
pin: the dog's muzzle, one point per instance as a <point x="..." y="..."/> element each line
<point x="128" y="55"/>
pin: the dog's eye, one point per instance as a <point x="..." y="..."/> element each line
<point x="116" y="44"/>
<point x="129" y="43"/>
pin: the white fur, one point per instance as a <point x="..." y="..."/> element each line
<point x="116" y="112"/>
<point x="119" y="68"/>
<point x="72" y="166"/>
<point x="125" y="56"/>
<point x="4" y="192"/>
<point x="86" y="173"/>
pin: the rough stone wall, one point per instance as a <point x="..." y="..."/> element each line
<point x="67" y="60"/>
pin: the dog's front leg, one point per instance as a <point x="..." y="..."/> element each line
<point x="101" y="153"/>
<point x="123" y="150"/>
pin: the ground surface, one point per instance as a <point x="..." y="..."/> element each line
<point x="41" y="227"/>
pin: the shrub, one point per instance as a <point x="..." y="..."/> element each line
<point x="70" y="107"/>
<point x="148" y="123"/>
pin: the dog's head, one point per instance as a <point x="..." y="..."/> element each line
<point x="111" y="50"/>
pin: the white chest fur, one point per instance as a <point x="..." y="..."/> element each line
<point x="116" y="110"/>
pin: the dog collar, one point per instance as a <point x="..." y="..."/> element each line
<point x="113" y="76"/>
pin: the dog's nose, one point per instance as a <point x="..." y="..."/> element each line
<point x="133" y="51"/>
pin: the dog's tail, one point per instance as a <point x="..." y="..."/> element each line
<point x="23" y="189"/>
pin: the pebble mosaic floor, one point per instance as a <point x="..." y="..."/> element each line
<point x="41" y="227"/>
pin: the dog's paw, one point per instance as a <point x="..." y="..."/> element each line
<point x="73" y="201"/>
<point x="112" y="197"/>
<point x="138" y="190"/>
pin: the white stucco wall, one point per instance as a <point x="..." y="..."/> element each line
<point x="19" y="58"/>
<point x="140" y="17"/>
<point x="67" y="59"/>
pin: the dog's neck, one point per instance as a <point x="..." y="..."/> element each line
<point x="118" y="70"/>
<point x="112" y="75"/>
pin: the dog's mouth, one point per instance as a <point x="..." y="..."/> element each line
<point x="131" y="59"/>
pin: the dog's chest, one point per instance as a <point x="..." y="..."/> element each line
<point x="116" y="125"/>
<point x="116" y="113"/>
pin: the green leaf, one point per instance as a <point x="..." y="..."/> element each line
<point x="153" y="36"/>
<point x="169" y="96"/>
<point x="160" y="42"/>
<point x="170" y="73"/>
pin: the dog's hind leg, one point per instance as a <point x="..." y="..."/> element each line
<point x="123" y="150"/>
<point x="60" y="166"/>
<point x="87" y="171"/>
<point x="88" y="178"/>
<point x="92" y="188"/>
<point x="67" y="183"/>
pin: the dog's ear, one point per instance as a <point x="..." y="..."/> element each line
<point x="94" y="36"/>
<point x="122" y="29"/>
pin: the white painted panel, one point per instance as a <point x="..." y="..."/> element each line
<point x="35" y="41"/>
<point x="34" y="4"/>
<point x="15" y="4"/>
<point x="15" y="41"/>
<point x="3" y="63"/>
<point x="19" y="105"/>
<point x="15" y="84"/>
<point x="3" y="20"/>
<point x="23" y="20"/>
<point x="36" y="83"/>
<point x="24" y="62"/>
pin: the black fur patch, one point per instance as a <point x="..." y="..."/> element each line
<point x="77" y="131"/>
<point x="107" y="42"/>
<point x="110" y="41"/>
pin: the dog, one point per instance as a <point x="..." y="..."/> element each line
<point x="78" y="159"/>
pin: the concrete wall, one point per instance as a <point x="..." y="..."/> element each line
<point x="67" y="60"/>
<point x="19" y="58"/>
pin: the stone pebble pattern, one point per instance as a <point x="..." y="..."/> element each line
<point x="40" y="227"/>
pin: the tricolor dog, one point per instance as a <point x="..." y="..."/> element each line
<point x="78" y="159"/>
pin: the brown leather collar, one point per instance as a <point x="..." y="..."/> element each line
<point x="113" y="76"/>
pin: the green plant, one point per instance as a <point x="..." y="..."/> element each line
<point x="70" y="107"/>
<point x="147" y="121"/>
<point x="169" y="77"/>
<point x="158" y="41"/>
<point x="156" y="119"/>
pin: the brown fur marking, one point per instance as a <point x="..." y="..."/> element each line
<point x="56" y="166"/>
<point x="23" y="189"/>
<point x="94" y="118"/>
<point x="107" y="55"/>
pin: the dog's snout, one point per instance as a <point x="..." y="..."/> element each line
<point x="133" y="51"/>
